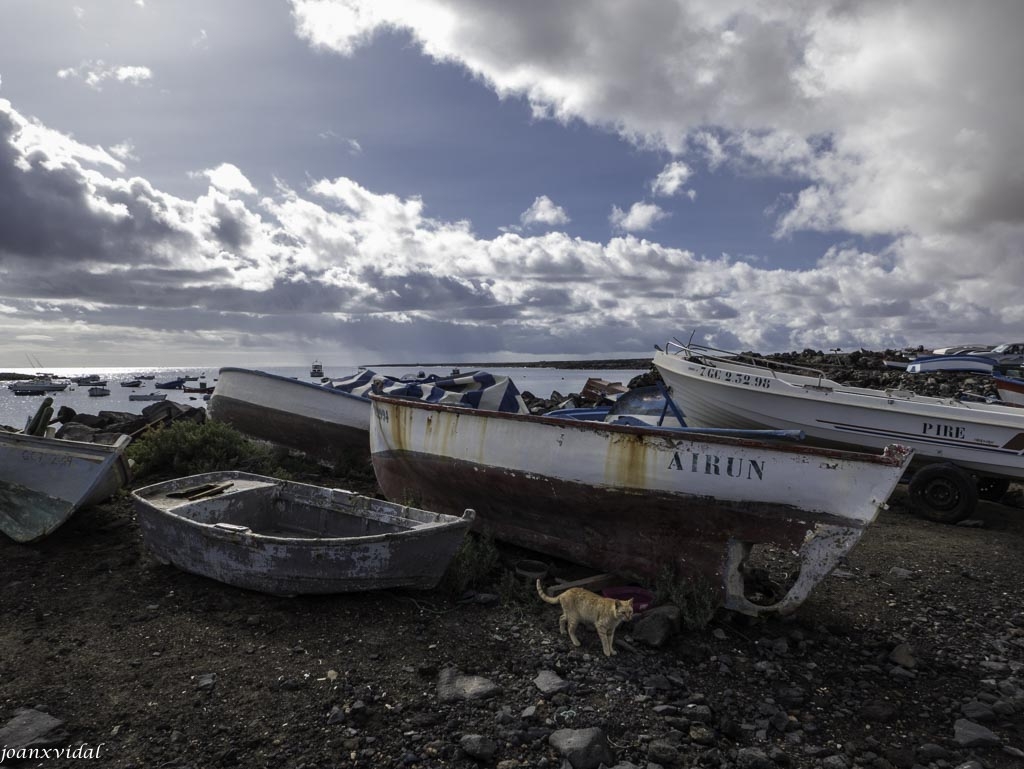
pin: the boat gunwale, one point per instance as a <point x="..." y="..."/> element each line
<point x="990" y="411"/>
<point x="323" y="387"/>
<point x="277" y="486"/>
<point x="895" y="459"/>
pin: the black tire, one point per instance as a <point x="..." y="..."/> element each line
<point x="992" y="489"/>
<point x="943" y="493"/>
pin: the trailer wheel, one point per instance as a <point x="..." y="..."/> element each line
<point x="992" y="489"/>
<point x="943" y="493"/>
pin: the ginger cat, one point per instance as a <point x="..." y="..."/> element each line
<point x="579" y="605"/>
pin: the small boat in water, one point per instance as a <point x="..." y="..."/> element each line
<point x="43" y="481"/>
<point x="38" y="386"/>
<point x="635" y="499"/>
<point x="287" y="538"/>
<point x="147" y="396"/>
<point x="98" y="392"/>
<point x="131" y="383"/>
<point x="316" y="371"/>
<point x="171" y="384"/>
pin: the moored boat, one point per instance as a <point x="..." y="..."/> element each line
<point x="964" y="449"/>
<point x="287" y="538"/>
<point x="43" y="481"/>
<point x="632" y="499"/>
<point x="147" y="396"/>
<point x="98" y="392"/>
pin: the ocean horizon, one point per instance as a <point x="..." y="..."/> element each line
<point x="15" y="410"/>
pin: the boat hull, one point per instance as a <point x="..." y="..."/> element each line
<point x="975" y="363"/>
<point x="323" y="423"/>
<point x="1010" y="389"/>
<point x="632" y="499"/>
<point x="984" y="438"/>
<point x="43" y="481"/>
<point x="289" y="538"/>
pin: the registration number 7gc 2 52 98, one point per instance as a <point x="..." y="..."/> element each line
<point x="735" y="377"/>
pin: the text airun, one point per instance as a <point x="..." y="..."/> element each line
<point x="712" y="464"/>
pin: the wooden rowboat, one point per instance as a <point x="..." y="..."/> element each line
<point x="43" y="481"/>
<point x="286" y="538"/>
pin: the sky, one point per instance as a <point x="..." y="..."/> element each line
<point x="186" y="182"/>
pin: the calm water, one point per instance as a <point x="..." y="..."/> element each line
<point x="15" y="410"/>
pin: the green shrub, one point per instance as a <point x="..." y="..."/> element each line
<point x="187" y="448"/>
<point x="695" y="598"/>
<point x="472" y="565"/>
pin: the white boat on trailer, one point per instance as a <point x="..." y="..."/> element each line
<point x="635" y="499"/>
<point x="963" y="449"/>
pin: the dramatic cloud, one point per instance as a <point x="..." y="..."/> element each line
<point x="544" y="212"/>
<point x="888" y="124"/>
<point x="895" y="115"/>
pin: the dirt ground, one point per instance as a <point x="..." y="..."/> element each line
<point x="922" y="627"/>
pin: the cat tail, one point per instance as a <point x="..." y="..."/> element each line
<point x="545" y="596"/>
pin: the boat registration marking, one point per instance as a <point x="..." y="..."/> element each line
<point x="735" y="377"/>
<point x="45" y="458"/>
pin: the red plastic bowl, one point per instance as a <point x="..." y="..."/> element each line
<point x="642" y="598"/>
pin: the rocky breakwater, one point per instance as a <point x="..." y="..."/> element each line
<point x="106" y="426"/>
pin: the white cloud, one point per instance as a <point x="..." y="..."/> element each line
<point x="124" y="151"/>
<point x="671" y="179"/>
<point x="894" y="116"/>
<point x="641" y="216"/>
<point x="227" y="178"/>
<point x="543" y="212"/>
<point x="95" y="73"/>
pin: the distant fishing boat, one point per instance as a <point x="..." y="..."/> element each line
<point x="147" y="396"/>
<point x="316" y="371"/>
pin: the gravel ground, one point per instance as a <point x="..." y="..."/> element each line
<point x="911" y="654"/>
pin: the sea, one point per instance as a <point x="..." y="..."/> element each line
<point x="16" y="410"/>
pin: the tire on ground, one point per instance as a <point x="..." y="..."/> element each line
<point x="943" y="493"/>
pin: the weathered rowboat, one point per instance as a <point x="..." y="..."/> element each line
<point x="43" y="481"/>
<point x="633" y="499"/>
<point x="963" y="449"/>
<point x="288" y="538"/>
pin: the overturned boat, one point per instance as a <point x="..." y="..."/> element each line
<point x="43" y="480"/>
<point x="964" y="449"/>
<point x="635" y="499"/>
<point x="287" y="538"/>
